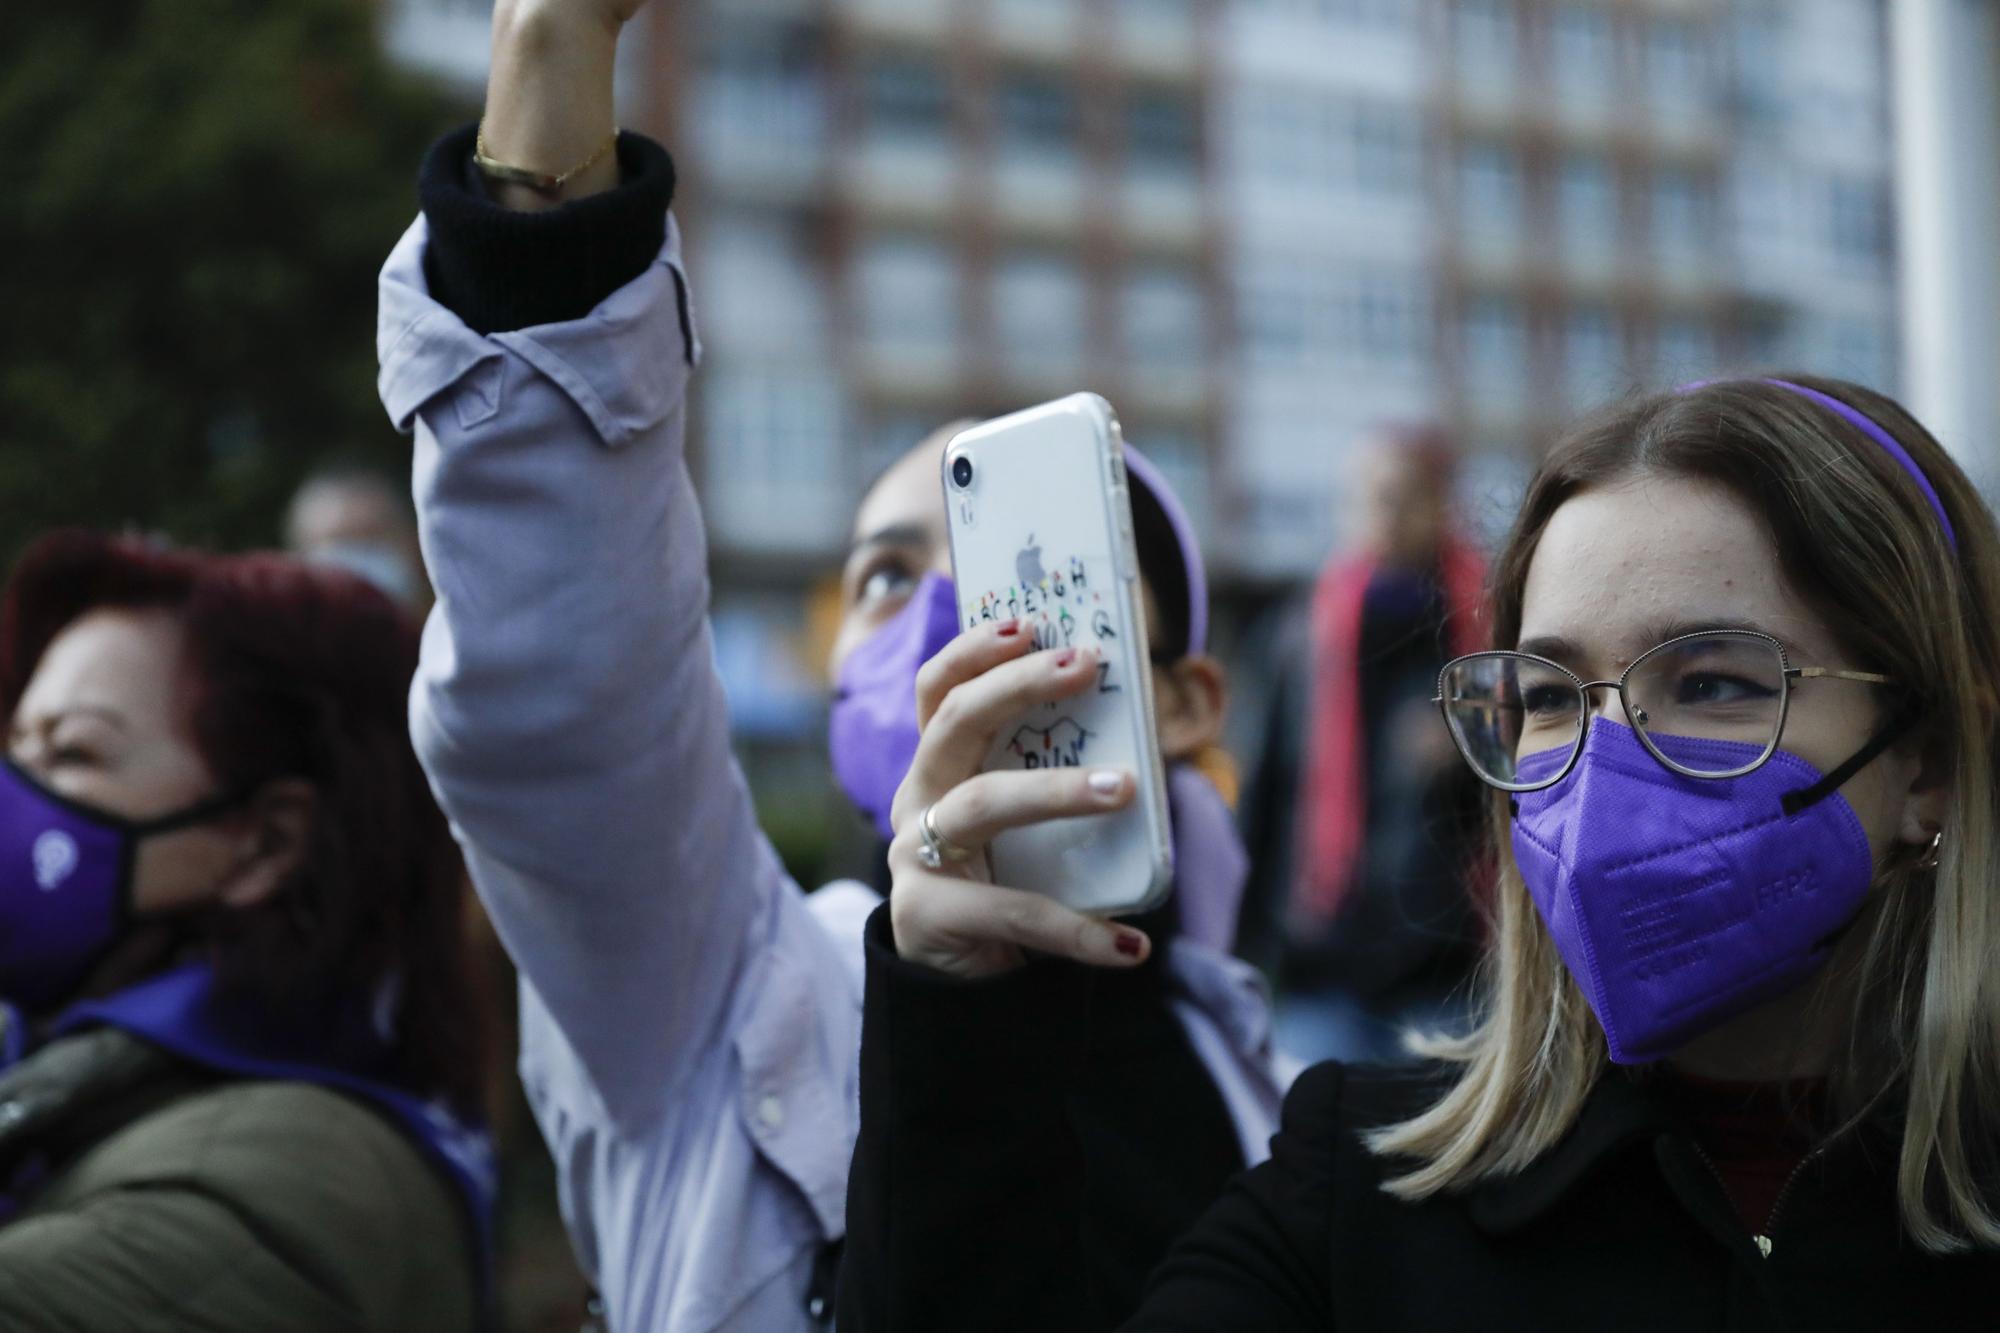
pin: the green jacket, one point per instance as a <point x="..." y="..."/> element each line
<point x="179" y="1201"/>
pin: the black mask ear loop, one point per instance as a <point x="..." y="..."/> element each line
<point x="180" y="920"/>
<point x="1885" y="736"/>
<point x="188" y="816"/>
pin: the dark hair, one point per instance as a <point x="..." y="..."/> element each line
<point x="297" y="671"/>
<point x="1163" y="565"/>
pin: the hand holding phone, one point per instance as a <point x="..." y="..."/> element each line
<point x="1041" y="532"/>
<point x="952" y="915"/>
<point x="1036" y="803"/>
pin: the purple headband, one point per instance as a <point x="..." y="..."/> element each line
<point x="1142" y="470"/>
<point x="1866" y="424"/>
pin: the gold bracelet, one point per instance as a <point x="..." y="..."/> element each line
<point x="538" y="181"/>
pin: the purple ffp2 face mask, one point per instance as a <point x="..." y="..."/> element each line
<point x="65" y="884"/>
<point x="1677" y="902"/>
<point x="872" y="728"/>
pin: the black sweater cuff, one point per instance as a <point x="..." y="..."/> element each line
<point x="499" y="269"/>
<point x="961" y="1045"/>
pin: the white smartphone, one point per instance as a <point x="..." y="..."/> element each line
<point x="1041" y="529"/>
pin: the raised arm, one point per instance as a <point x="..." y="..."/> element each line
<point x="549" y="104"/>
<point x="567" y="708"/>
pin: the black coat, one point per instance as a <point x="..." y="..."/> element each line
<point x="1620" y="1227"/>
<point x="1074" y="1085"/>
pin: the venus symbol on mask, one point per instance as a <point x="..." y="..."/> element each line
<point x="55" y="857"/>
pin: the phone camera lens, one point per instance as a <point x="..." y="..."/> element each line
<point x="961" y="472"/>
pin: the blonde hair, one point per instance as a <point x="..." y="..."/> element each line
<point x="1856" y="537"/>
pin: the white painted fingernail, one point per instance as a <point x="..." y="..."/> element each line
<point x="1106" y="781"/>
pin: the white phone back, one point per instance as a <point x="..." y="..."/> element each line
<point x="1044" y="532"/>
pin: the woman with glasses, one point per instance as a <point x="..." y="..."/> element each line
<point x="1738" y="1062"/>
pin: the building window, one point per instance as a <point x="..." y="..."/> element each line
<point x="905" y="97"/>
<point x="1300" y="317"/>
<point x="1487" y="41"/>
<point x="1175" y="13"/>
<point x="1857" y="221"/>
<point x="1684" y="350"/>
<point x="759" y="82"/>
<point x="1162" y="131"/>
<point x="1273" y="323"/>
<point x="1676" y="66"/>
<point x="774" y="430"/>
<point x="908" y="289"/>
<point x="1389" y="321"/>
<point x="1039" y="311"/>
<point x="1589" y="204"/>
<point x="1592" y="362"/>
<point x="1380" y="15"/>
<point x="1302" y="139"/>
<point x="1585" y="52"/>
<point x="1757" y="87"/>
<point x="1494" y="342"/>
<point x="1682" y="217"/>
<point x="1037" y="115"/>
<point x="765" y="260"/>
<point x="1489" y="191"/>
<point x="1765" y="198"/>
<point x="1386" y="145"/>
<point x="771" y="435"/>
<point x="1863" y="351"/>
<point x="1165" y="323"/>
<point x="1180" y="457"/>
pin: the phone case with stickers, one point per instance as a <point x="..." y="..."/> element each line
<point x="1041" y="529"/>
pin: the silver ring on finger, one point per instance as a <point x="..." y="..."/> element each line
<point x="937" y="848"/>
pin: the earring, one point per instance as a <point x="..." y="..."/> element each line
<point x="1930" y="857"/>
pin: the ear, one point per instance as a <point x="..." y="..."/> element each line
<point x="277" y="838"/>
<point x="1189" y="698"/>
<point x="1925" y="800"/>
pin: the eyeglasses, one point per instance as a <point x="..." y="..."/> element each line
<point x="1706" y="705"/>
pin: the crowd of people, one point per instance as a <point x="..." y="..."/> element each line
<point x="1633" y="889"/>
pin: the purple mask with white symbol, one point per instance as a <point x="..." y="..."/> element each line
<point x="872" y="728"/>
<point x="1678" y="903"/>
<point x="65" y="884"/>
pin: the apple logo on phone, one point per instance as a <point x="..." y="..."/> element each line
<point x="1028" y="564"/>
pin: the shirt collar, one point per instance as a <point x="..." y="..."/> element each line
<point x="1615" y="1116"/>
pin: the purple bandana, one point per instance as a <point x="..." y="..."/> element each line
<point x="872" y="728"/>
<point x="1678" y="903"/>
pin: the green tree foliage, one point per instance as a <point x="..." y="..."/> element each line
<point x="199" y="196"/>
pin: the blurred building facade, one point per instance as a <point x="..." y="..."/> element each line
<point x="1256" y="225"/>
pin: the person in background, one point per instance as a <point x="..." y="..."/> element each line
<point x="1360" y="818"/>
<point x="690" y="1017"/>
<point x="358" y="520"/>
<point x="354" y="518"/>
<point x="239" y="1060"/>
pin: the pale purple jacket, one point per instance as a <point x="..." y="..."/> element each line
<point x="690" y="1019"/>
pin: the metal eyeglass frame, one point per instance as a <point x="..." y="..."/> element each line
<point x="1788" y="673"/>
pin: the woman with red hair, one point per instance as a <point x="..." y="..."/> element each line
<point x="239" y="1063"/>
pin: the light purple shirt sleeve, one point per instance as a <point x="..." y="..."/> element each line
<point x="689" y="1025"/>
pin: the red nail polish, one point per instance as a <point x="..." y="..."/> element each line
<point x="1010" y="629"/>
<point x="1065" y="657"/>
<point x="1129" y="942"/>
